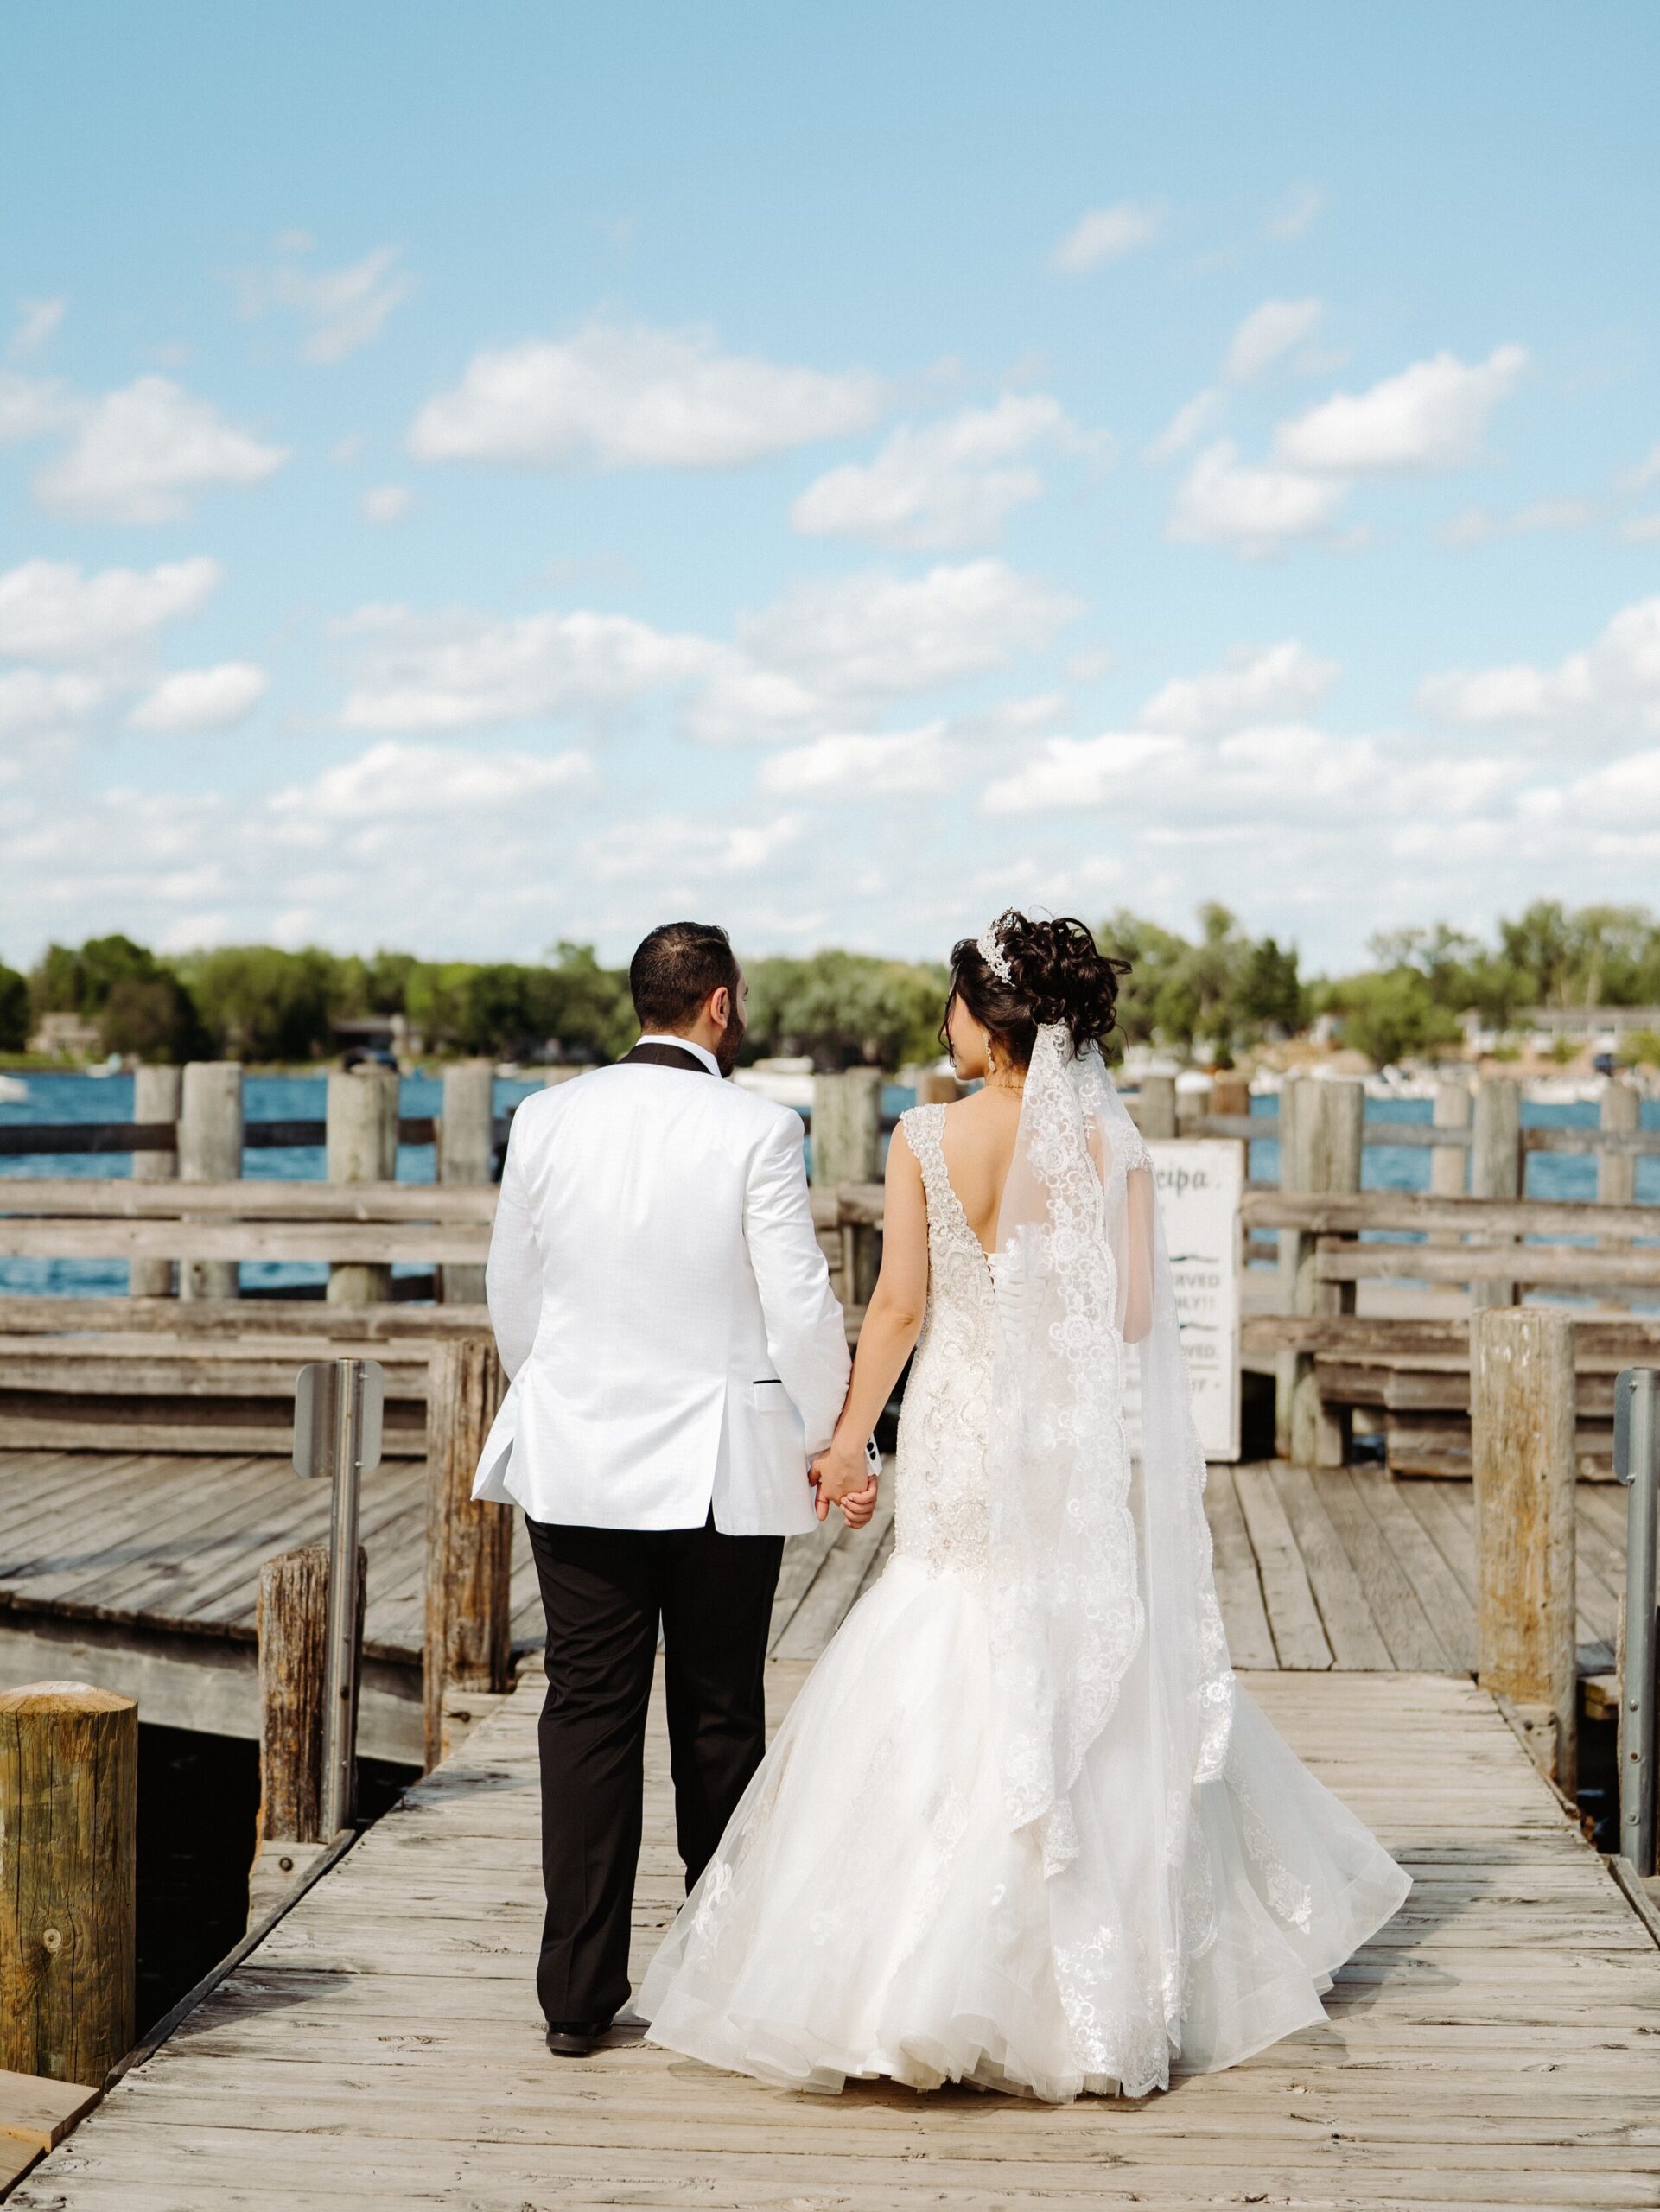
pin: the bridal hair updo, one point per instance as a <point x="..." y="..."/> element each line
<point x="1057" y="973"/>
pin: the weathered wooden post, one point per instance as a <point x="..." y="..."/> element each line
<point x="847" y="1135"/>
<point x="1319" y="1153"/>
<point x="1522" y="1449"/>
<point x="362" y="1147"/>
<point x="469" y="1547"/>
<point x="210" y="1150"/>
<point x="293" y="1630"/>
<point x="1449" y="1164"/>
<point x="936" y="1089"/>
<point x="68" y="1820"/>
<point x="1229" y="1093"/>
<point x="1156" y="1111"/>
<point x="1619" y="1111"/>
<point x="156" y="1095"/>
<point x="1495" y="1165"/>
<point x="466" y="1141"/>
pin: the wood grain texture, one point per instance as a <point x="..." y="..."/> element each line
<point x="469" y="1547"/>
<point x="68" y="1828"/>
<point x="1521" y="1440"/>
<point x="1491" y="2048"/>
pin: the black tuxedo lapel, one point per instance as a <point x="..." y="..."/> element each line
<point x="657" y="1053"/>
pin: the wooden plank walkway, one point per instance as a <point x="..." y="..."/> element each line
<point x="1495" y="2046"/>
<point x="141" y="1571"/>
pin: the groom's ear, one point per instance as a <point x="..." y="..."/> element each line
<point x="720" y="1006"/>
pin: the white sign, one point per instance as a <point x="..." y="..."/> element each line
<point x="1201" y="1182"/>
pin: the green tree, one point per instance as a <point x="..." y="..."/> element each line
<point x="13" y="1010"/>
<point x="845" y="1010"/>
<point x="151" y="1017"/>
<point x="259" y="1003"/>
<point x="1390" y="1015"/>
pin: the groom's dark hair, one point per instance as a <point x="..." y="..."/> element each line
<point x="675" y="970"/>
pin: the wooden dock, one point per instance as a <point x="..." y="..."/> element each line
<point x="1495" y="2046"/>
<point x="140" y="1571"/>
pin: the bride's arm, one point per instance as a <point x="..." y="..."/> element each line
<point x="893" y="1320"/>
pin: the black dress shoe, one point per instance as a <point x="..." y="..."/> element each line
<point x="574" y="2039"/>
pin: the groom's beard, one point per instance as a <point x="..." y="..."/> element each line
<point x="726" y="1052"/>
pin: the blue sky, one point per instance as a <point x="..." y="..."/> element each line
<point x="476" y="476"/>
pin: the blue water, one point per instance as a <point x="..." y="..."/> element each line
<point x="265" y="1098"/>
<point x="273" y="1098"/>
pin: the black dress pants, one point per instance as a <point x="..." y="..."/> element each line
<point x="605" y="1592"/>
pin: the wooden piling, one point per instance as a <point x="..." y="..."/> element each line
<point x="1155" y="1115"/>
<point x="210" y="1150"/>
<point x="293" y="1622"/>
<point x="1619" y="1110"/>
<point x="466" y="1141"/>
<point x="1495" y="1165"/>
<point x="469" y="1546"/>
<point x="68" y="1820"/>
<point x="1229" y="1093"/>
<point x="293" y="1630"/>
<point x="847" y="1133"/>
<point x="936" y="1089"/>
<point x="362" y="1147"/>
<point x="156" y="1093"/>
<point x="1522" y="1448"/>
<point x="1319" y="1153"/>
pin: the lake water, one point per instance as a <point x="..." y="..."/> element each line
<point x="271" y="1098"/>
<point x="265" y="1098"/>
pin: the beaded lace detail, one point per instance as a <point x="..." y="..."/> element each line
<point x="939" y="1500"/>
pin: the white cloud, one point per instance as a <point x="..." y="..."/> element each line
<point x="387" y="503"/>
<point x="193" y="701"/>
<point x="668" y="850"/>
<point x="52" y="611"/>
<point x="617" y="397"/>
<point x="36" y="704"/>
<point x="1296" y="215"/>
<point x="827" y="651"/>
<point x="436" y="783"/>
<point x="456" y="671"/>
<point x="1432" y="416"/>
<point x="138" y="452"/>
<point x="37" y="320"/>
<point x="1186" y="425"/>
<point x="1250" y="686"/>
<point x="1255" y="507"/>
<point x="1647" y="471"/>
<point x="29" y="407"/>
<point x="1641" y="529"/>
<point x="1106" y="234"/>
<point x="342" y="308"/>
<point x="1268" y="334"/>
<point x="852" y="765"/>
<point x="1610" y="686"/>
<point x="1071" y="771"/>
<point x="948" y="485"/>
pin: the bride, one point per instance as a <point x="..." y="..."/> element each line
<point x="1021" y="1827"/>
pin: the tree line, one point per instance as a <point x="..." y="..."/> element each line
<point x="1219" y="993"/>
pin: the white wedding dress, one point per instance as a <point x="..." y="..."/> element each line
<point x="895" y="1894"/>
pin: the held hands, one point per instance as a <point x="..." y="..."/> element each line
<point x="841" y="1477"/>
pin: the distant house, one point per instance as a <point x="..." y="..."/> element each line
<point x="375" y="1036"/>
<point x="66" y="1036"/>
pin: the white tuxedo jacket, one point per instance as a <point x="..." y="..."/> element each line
<point x="662" y="1308"/>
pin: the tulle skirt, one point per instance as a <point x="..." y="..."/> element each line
<point x="871" y="1913"/>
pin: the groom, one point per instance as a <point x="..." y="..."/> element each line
<point x="663" y="1310"/>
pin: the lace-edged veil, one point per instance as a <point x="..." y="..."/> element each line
<point x="1100" y="1552"/>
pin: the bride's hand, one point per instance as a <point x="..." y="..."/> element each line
<point x="857" y="1508"/>
<point x="837" y="1471"/>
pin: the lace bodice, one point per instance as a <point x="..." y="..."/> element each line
<point x="939" y="1500"/>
